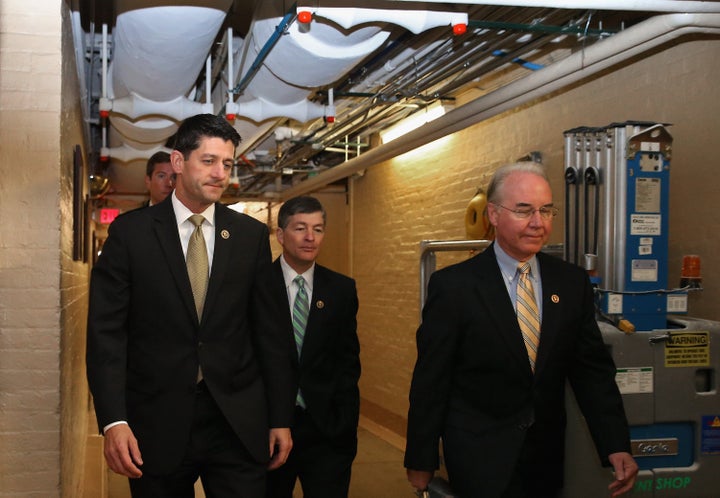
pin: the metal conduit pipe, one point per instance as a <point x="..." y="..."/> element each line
<point x="623" y="46"/>
<point x="686" y="6"/>
<point x="428" y="248"/>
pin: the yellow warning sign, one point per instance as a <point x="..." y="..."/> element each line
<point x="715" y="422"/>
<point x="688" y="349"/>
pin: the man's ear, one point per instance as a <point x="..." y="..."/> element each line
<point x="492" y="211"/>
<point x="177" y="161"/>
<point x="280" y="235"/>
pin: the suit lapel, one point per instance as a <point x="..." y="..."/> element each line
<point x="552" y="290"/>
<point x="314" y="327"/>
<point x="167" y="233"/>
<point x="493" y="291"/>
<point x="225" y="230"/>
<point x="279" y="293"/>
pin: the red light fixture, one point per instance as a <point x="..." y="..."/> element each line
<point x="459" y="29"/>
<point x="304" y="16"/>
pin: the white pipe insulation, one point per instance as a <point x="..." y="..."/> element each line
<point x="308" y="56"/>
<point x="635" y="40"/>
<point x="677" y="6"/>
<point x="158" y="53"/>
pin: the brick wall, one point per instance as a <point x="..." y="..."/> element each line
<point x="423" y="195"/>
<point x="42" y="291"/>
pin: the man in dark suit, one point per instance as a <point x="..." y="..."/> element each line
<point x="481" y="382"/>
<point x="159" y="178"/>
<point x="189" y="379"/>
<point x="327" y="354"/>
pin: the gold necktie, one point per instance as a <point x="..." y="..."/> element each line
<point x="527" y="313"/>
<point x="197" y="263"/>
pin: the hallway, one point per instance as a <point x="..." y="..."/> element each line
<point x="377" y="471"/>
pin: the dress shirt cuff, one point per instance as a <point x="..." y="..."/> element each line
<point x="105" y="429"/>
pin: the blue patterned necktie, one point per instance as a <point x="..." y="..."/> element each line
<point x="300" y="311"/>
<point x="527" y="313"/>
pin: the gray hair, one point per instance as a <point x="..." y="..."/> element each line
<point x="498" y="179"/>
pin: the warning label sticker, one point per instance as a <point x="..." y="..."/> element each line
<point x="688" y="349"/>
<point x="710" y="435"/>
<point x="634" y="380"/>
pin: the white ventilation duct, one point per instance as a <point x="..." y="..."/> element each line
<point x="158" y="52"/>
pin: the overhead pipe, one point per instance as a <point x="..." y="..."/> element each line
<point x="125" y="153"/>
<point x="230" y="106"/>
<point x="637" y="39"/>
<point x="135" y="106"/>
<point x="416" y="23"/>
<point x="262" y="55"/>
<point x="677" y="6"/>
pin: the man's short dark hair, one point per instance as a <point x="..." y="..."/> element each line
<point x="188" y="136"/>
<point x="304" y="204"/>
<point x="157" y="158"/>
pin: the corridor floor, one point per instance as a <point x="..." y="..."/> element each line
<point x="377" y="471"/>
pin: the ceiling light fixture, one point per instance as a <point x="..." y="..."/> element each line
<point x="412" y="122"/>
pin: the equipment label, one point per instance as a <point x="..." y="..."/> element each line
<point x="644" y="270"/>
<point x="645" y="224"/>
<point x="688" y="349"/>
<point x="710" y="435"/>
<point x="647" y="195"/>
<point x="634" y="380"/>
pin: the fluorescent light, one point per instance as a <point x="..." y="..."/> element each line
<point x="412" y="122"/>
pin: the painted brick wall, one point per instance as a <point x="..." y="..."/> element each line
<point x="423" y="195"/>
<point x="43" y="401"/>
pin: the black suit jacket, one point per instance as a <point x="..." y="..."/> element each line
<point x="472" y="372"/>
<point x="329" y="367"/>
<point x="145" y="342"/>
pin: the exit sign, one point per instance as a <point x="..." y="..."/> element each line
<point x="108" y="215"/>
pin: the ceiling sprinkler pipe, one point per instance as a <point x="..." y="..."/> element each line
<point x="637" y="39"/>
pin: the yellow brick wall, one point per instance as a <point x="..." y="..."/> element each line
<point x="423" y="195"/>
<point x="43" y="398"/>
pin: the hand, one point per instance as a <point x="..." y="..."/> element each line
<point x="280" y="446"/>
<point x="625" y="473"/>
<point x="122" y="452"/>
<point x="419" y="479"/>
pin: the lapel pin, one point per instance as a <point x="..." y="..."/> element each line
<point x="555" y="298"/>
<point x="225" y="234"/>
<point x="320" y="305"/>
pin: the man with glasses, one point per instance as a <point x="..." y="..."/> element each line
<point x="501" y="334"/>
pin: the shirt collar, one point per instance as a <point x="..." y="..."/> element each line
<point x="509" y="265"/>
<point x="289" y="274"/>
<point x="182" y="213"/>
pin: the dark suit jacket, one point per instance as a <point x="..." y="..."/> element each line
<point x="145" y="342"/>
<point x="472" y="372"/>
<point x="329" y="367"/>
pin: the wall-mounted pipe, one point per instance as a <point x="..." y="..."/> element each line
<point x="637" y="39"/>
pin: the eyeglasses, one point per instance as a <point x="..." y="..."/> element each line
<point x="546" y="212"/>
